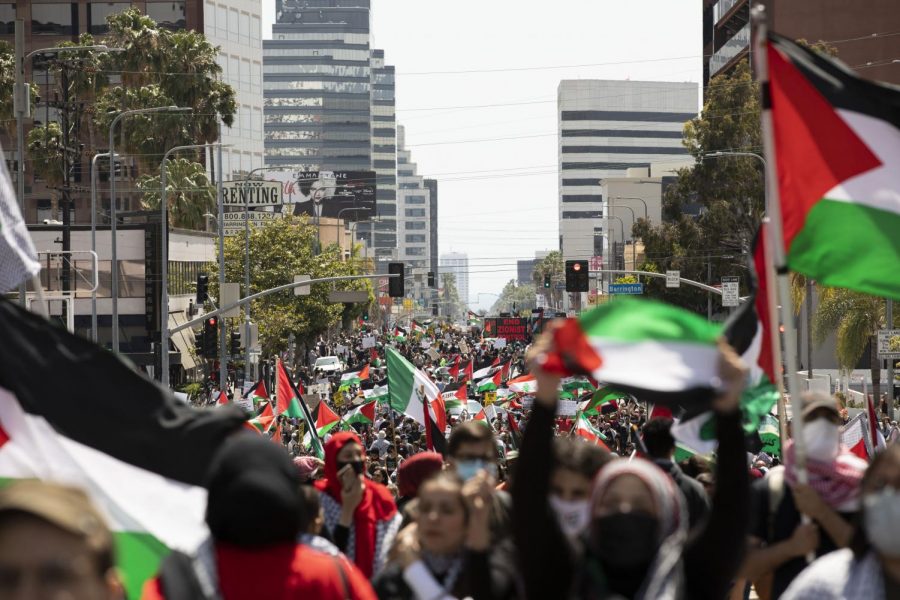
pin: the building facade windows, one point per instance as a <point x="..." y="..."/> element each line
<point x="54" y="18"/>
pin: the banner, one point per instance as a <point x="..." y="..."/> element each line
<point x="328" y="193"/>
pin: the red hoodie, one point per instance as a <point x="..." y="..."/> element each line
<point x="282" y="572"/>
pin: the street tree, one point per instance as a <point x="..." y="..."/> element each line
<point x="450" y="296"/>
<point x="515" y="299"/>
<point x="551" y="265"/>
<point x="279" y="250"/>
<point x="189" y="193"/>
<point x="44" y="145"/>
<point x="855" y="319"/>
<point x="7" y="81"/>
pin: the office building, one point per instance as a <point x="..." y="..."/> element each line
<point x="863" y="31"/>
<point x="414" y="211"/>
<point x="317" y="86"/>
<point x="432" y="186"/>
<point x="605" y="129"/>
<point x="235" y="27"/>
<point x="457" y="264"/>
<point x="382" y="233"/>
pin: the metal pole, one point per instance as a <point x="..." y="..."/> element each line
<point x="708" y="296"/>
<point x="22" y="105"/>
<point x="223" y="367"/>
<point x="94" y="238"/>
<point x="889" y="324"/>
<point x="641" y="200"/>
<point x="164" y="257"/>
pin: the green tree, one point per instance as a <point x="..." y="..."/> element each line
<point x="280" y="249"/>
<point x="189" y="193"/>
<point x="7" y="81"/>
<point x="551" y="265"/>
<point x="44" y="145"/>
<point x="855" y="319"/>
<point x="515" y="299"/>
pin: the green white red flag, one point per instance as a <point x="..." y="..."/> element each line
<point x="409" y="387"/>
<point x="836" y="139"/>
<point x="258" y="393"/>
<point x="326" y="419"/>
<point x="525" y="384"/>
<point x="263" y="421"/>
<point x="588" y="432"/>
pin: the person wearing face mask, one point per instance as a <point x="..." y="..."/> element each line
<point x="635" y="541"/>
<point x="870" y="568"/>
<point x="446" y="553"/>
<point x="779" y="539"/>
<point x="470" y="450"/>
<point x="361" y="517"/>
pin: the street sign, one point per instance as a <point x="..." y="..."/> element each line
<point x="234" y="221"/>
<point x="626" y="288"/>
<point x="673" y="279"/>
<point x="348" y="297"/>
<point x="889" y="343"/>
<point x="230" y="294"/>
<point x="301" y="290"/>
<point x="251" y="193"/>
<point x="731" y="291"/>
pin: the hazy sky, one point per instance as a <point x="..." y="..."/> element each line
<point x="488" y="134"/>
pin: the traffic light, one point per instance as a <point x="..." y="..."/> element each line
<point x="577" y="276"/>
<point x="547" y="281"/>
<point x="235" y="345"/>
<point x="210" y="336"/>
<point x="395" y="284"/>
<point x="431" y="279"/>
<point x="198" y="345"/>
<point x="202" y="288"/>
<point x="365" y="315"/>
<point x="434" y="310"/>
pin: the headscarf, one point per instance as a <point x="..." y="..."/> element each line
<point x="414" y="471"/>
<point x="377" y="503"/>
<point x="837" y="482"/>
<point x="249" y="471"/>
<point x="664" y="577"/>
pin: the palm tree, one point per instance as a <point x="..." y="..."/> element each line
<point x="189" y="192"/>
<point x="551" y="265"/>
<point x="855" y="318"/>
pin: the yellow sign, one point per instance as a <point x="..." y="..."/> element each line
<point x="407" y="303"/>
<point x="338" y="399"/>
<point x="490" y="398"/>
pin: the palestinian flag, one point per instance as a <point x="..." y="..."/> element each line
<point x="526" y="384"/>
<point x="399" y="335"/>
<point x="748" y="332"/>
<point x="409" y="387"/>
<point x="576" y="385"/>
<point x="836" y="141"/>
<point x="364" y="414"/>
<point x="72" y="413"/>
<point x="257" y="393"/>
<point x="856" y="438"/>
<point x="378" y="393"/>
<point x="326" y="420"/>
<point x="415" y="327"/>
<point x="289" y="402"/>
<point x="353" y="378"/>
<point x="588" y="432"/>
<point x="454" y="370"/>
<point x="469" y="375"/>
<point x="514" y="434"/>
<point x="616" y="343"/>
<point x="435" y="426"/>
<point x="485" y="372"/>
<point x="263" y="421"/>
<point x="222" y="398"/>
<point x="604" y="399"/>
<point x="489" y="384"/>
<point x="455" y="398"/>
<point x="482" y="417"/>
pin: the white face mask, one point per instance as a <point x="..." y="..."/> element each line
<point x="572" y="515"/>
<point x="881" y="519"/>
<point x="822" y="440"/>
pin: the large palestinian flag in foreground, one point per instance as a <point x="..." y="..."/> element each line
<point x="837" y="150"/>
<point x="72" y="413"/>
<point x="661" y="353"/>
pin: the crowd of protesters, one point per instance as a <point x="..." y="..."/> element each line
<point x="515" y="508"/>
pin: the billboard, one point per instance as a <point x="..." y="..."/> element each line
<point x="513" y="329"/>
<point x="331" y="194"/>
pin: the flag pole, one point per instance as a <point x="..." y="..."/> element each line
<point x="776" y="240"/>
<point x="772" y="308"/>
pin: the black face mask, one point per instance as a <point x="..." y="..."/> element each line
<point x="625" y="540"/>
<point x="356" y="465"/>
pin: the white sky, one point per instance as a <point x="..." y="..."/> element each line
<point x="498" y="199"/>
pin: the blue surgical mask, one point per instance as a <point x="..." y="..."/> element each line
<point x="467" y="469"/>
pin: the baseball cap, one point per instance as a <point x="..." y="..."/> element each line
<point x="813" y="401"/>
<point x="65" y="507"/>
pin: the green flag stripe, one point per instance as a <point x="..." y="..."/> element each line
<point x="634" y="320"/>
<point x="400" y="380"/>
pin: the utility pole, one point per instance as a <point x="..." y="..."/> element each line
<point x="22" y="108"/>
<point x="223" y="336"/>
<point x="708" y="282"/>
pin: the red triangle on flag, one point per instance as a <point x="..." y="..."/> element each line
<point x="222" y="399"/>
<point x="368" y="410"/>
<point x="326" y="416"/>
<point x="364" y="374"/>
<point x="283" y="388"/>
<point x="462" y="393"/>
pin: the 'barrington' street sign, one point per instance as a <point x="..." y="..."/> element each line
<point x="626" y="288"/>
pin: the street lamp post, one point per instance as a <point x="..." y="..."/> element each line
<point x="164" y="255"/>
<point x="337" y="225"/>
<point x="641" y="200"/>
<point x="94" y="238"/>
<point x="114" y="287"/>
<point x="633" y="245"/>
